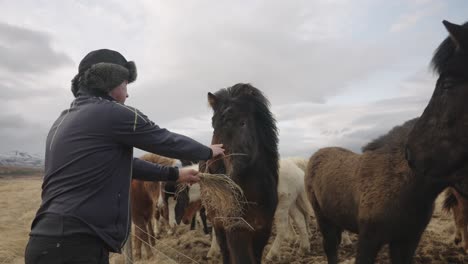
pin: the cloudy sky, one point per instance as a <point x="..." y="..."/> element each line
<point x="337" y="72"/>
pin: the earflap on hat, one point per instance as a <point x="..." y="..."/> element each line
<point x="132" y="70"/>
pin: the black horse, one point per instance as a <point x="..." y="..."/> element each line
<point x="438" y="144"/>
<point x="243" y="122"/>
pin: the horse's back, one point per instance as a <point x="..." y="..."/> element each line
<point x="290" y="177"/>
<point x="332" y="163"/>
<point x="332" y="183"/>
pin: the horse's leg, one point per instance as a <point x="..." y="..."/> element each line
<point x="162" y="222"/>
<point x="240" y="244"/>
<point x="172" y="222"/>
<point x="331" y="234"/>
<point x="214" y="248"/>
<point x="206" y="230"/>
<point x="281" y="224"/>
<point x="151" y="232"/>
<point x="142" y="238"/>
<point x="368" y="248"/>
<point x="137" y="242"/>
<point x="223" y="244"/>
<point x="260" y="240"/>
<point x="157" y="223"/>
<point x="306" y="209"/>
<point x="403" y="251"/>
<point x="459" y="215"/>
<point x="465" y="235"/>
<point x="193" y="222"/>
<point x="299" y="219"/>
<point x="163" y="211"/>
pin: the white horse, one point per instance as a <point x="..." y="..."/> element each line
<point x="292" y="203"/>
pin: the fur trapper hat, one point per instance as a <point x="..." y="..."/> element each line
<point x="101" y="71"/>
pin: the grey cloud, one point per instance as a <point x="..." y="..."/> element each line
<point x="18" y="88"/>
<point x="28" y="51"/>
<point x="33" y="142"/>
<point x="17" y="133"/>
<point x="286" y="51"/>
<point x="299" y="55"/>
<point x="28" y="64"/>
<point x="12" y="121"/>
<point x="345" y="126"/>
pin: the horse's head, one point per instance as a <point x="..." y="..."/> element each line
<point x="438" y="144"/>
<point x="243" y="123"/>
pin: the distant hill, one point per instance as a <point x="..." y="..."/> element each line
<point x="19" y="171"/>
<point x="21" y="159"/>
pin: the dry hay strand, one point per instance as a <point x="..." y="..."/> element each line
<point x="223" y="199"/>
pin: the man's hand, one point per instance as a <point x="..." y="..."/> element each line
<point x="217" y="150"/>
<point x="189" y="176"/>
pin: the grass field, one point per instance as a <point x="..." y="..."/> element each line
<point x="20" y="198"/>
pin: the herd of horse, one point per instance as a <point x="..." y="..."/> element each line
<point x="386" y="194"/>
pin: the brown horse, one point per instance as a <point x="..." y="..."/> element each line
<point x="438" y="145"/>
<point x="374" y="194"/>
<point x="243" y="122"/>
<point x="458" y="204"/>
<point x="144" y="198"/>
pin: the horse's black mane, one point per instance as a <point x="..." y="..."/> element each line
<point x="395" y="138"/>
<point x="266" y="122"/>
<point x="444" y="53"/>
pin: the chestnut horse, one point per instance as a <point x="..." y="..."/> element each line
<point x="455" y="202"/>
<point x="144" y="197"/>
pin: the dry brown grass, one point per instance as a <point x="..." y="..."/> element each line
<point x="20" y="198"/>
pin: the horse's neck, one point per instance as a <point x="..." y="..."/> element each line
<point x="420" y="190"/>
<point x="425" y="190"/>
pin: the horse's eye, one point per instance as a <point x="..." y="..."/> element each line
<point x="448" y="83"/>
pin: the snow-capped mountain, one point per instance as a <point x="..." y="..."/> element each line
<point x="21" y="159"/>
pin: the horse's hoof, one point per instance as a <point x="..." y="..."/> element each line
<point x="210" y="256"/>
<point x="304" y="249"/>
<point x="271" y="257"/>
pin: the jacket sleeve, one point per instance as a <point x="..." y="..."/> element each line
<point x="147" y="171"/>
<point x="132" y="128"/>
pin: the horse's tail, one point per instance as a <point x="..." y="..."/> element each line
<point x="450" y="201"/>
<point x="304" y="205"/>
<point x="300" y="162"/>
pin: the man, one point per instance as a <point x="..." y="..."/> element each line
<point x="89" y="163"/>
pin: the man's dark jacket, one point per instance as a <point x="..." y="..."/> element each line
<point x="89" y="164"/>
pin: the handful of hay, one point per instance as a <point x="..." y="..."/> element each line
<point x="223" y="199"/>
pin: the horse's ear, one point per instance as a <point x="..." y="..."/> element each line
<point x="458" y="34"/>
<point x="212" y="100"/>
